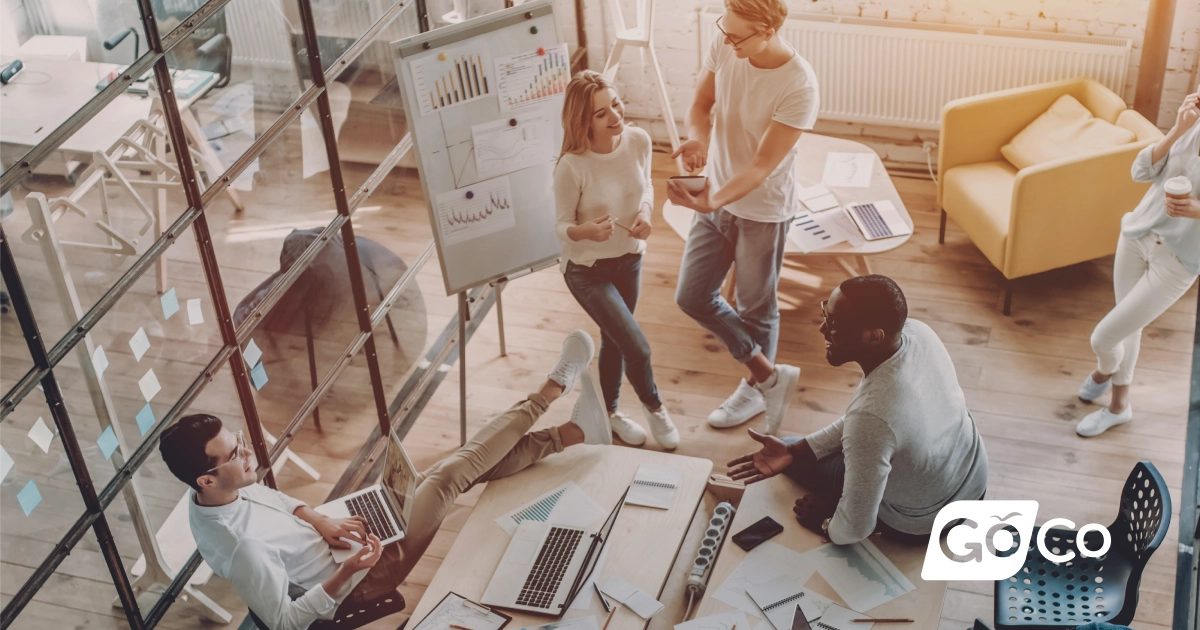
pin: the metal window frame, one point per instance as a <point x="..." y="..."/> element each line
<point x="1187" y="567"/>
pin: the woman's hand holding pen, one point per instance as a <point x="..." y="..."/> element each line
<point x="641" y="227"/>
<point x="599" y="230"/>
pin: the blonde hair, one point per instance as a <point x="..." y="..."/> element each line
<point x="765" y="14"/>
<point x="577" y="110"/>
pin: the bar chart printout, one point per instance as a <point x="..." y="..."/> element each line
<point x="476" y="210"/>
<point x="529" y="78"/>
<point x="451" y="77"/>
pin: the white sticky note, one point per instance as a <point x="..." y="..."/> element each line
<point x="41" y="435"/>
<point x="252" y="354"/>
<point x="99" y="360"/>
<point x="170" y="303"/>
<point x="139" y="343"/>
<point x="195" y="313"/>
<point x="149" y="386"/>
<point x="6" y="463"/>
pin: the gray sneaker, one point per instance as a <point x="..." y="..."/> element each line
<point x="779" y="396"/>
<point x="1090" y="390"/>
<point x="577" y="352"/>
<point x="589" y="413"/>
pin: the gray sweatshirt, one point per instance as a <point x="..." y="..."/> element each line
<point x="910" y="445"/>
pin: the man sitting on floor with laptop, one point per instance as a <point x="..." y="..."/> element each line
<point x="907" y="445"/>
<point x="262" y="540"/>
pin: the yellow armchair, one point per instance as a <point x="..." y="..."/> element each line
<point x="1045" y="216"/>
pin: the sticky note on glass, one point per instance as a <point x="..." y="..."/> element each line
<point x="145" y="419"/>
<point x="139" y="343"/>
<point x="107" y="442"/>
<point x="170" y="303"/>
<point x="41" y="435"/>
<point x="149" y="386"/>
<point x="259" y="376"/>
<point x="195" y="313"/>
<point x="252" y="354"/>
<point x="29" y="497"/>
<point x="99" y="360"/>
<point x="6" y="463"/>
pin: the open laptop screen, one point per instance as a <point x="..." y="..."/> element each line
<point x="399" y="478"/>
<point x="599" y="540"/>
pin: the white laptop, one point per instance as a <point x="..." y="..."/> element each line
<point x="878" y="219"/>
<point x="386" y="506"/>
<point x="545" y="565"/>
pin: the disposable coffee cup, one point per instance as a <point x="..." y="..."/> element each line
<point x="1178" y="187"/>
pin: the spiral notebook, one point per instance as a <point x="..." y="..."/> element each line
<point x="654" y="486"/>
<point x="778" y="599"/>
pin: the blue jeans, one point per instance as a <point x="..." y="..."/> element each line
<point x="715" y="242"/>
<point x="608" y="291"/>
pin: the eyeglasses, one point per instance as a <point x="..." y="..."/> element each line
<point x="240" y="456"/>
<point x="729" y="38"/>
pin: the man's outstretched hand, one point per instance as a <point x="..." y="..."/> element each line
<point x="769" y="461"/>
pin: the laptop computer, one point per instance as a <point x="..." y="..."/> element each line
<point x="386" y="506"/>
<point x="545" y="565"/>
<point x="878" y="219"/>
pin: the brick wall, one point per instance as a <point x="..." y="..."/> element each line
<point x="677" y="41"/>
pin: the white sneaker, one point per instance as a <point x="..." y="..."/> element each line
<point x="778" y="395"/>
<point x="577" y="352"/>
<point x="661" y="426"/>
<point x="589" y="413"/>
<point x="745" y="403"/>
<point x="1091" y="390"/>
<point x="1102" y="420"/>
<point x="629" y="431"/>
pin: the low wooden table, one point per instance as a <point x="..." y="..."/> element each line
<point x="775" y="498"/>
<point x="641" y="550"/>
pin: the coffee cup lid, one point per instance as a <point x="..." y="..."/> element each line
<point x="1178" y="185"/>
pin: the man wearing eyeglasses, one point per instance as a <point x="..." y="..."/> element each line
<point x="264" y="541"/>
<point x="906" y="447"/>
<point x="755" y="97"/>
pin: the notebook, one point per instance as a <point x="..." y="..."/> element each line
<point x="654" y="486"/>
<point x="839" y="618"/>
<point x="778" y="598"/>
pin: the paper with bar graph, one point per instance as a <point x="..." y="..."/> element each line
<point x="530" y="78"/>
<point x="567" y="505"/>
<point x="452" y="77"/>
<point x="476" y="210"/>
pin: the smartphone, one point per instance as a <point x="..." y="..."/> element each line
<point x="692" y="183"/>
<point x="754" y="535"/>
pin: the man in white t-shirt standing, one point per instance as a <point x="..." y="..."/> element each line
<point x="756" y="96"/>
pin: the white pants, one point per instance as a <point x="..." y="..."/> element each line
<point x="1147" y="279"/>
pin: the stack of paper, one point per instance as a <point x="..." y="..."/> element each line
<point x="633" y="597"/>
<point x="654" y="486"/>
<point x="817" y="198"/>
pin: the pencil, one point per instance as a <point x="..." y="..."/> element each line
<point x="610" y="616"/>
<point x="622" y="226"/>
<point x="459" y="627"/>
<point x="882" y="620"/>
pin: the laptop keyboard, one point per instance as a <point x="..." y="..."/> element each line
<point x="371" y="508"/>
<point x="547" y="573"/>
<point x="871" y="221"/>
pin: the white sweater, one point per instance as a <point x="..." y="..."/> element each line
<point x="590" y="185"/>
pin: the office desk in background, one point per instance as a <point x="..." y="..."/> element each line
<point x="775" y="497"/>
<point x="641" y="550"/>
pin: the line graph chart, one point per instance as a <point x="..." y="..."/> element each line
<point x="478" y="210"/>
<point x="528" y="78"/>
<point x="502" y="147"/>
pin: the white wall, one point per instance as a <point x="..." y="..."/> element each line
<point x="677" y="41"/>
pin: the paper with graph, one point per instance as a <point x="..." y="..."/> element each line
<point x="456" y="610"/>
<point x="476" y="210"/>
<point x="511" y="144"/>
<point x="765" y="563"/>
<point x="724" y="621"/>
<point x="860" y="574"/>
<point x="848" y="170"/>
<point x="567" y="505"/>
<point x="532" y="77"/>
<point x="452" y="77"/>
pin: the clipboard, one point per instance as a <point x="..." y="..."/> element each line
<point x="460" y="611"/>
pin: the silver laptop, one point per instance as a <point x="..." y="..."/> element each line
<point x="545" y="566"/>
<point x="386" y="506"/>
<point x="878" y="219"/>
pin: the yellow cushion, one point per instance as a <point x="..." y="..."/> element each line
<point x="1066" y="129"/>
<point x="979" y="199"/>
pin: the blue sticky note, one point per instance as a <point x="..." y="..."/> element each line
<point x="170" y="303"/>
<point x="259" y="376"/>
<point x="29" y="497"/>
<point x="107" y="442"/>
<point x="145" y="419"/>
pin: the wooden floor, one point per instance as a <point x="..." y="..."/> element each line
<point x="1019" y="373"/>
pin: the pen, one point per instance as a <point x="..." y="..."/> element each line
<point x="459" y="627"/>
<point x="603" y="599"/>
<point x="622" y="226"/>
<point x="882" y="620"/>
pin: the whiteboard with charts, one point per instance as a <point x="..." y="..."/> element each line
<point x="484" y="104"/>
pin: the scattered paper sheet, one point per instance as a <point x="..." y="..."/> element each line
<point x="578" y="623"/>
<point x="840" y="618"/>
<point x="764" y="625"/>
<point x="29" y="497"/>
<point x="842" y="222"/>
<point x="139" y="343"/>
<point x="860" y="574"/>
<point x="170" y="303"/>
<point x="764" y="563"/>
<point x="474" y="211"/>
<point x="724" y="621"/>
<point x="41" y="434"/>
<point x="528" y="78"/>
<point x="778" y="599"/>
<point x="459" y="611"/>
<point x="259" y="376"/>
<point x="99" y="360"/>
<point x="636" y="599"/>
<point x="567" y="504"/>
<point x="6" y="463"/>
<point x="654" y="486"/>
<point x="107" y="442"/>
<point x="145" y="419"/>
<point x="812" y="232"/>
<point x="252" y="354"/>
<point x="849" y="170"/>
<point x="313" y="157"/>
<point x="236" y="101"/>
<point x="583" y="599"/>
<point x="149" y="386"/>
<point x="502" y="147"/>
<point x="817" y="198"/>
<point x="195" y="313"/>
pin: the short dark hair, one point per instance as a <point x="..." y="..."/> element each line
<point x="182" y="446"/>
<point x="876" y="302"/>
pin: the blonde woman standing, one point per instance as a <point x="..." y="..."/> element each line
<point x="604" y="197"/>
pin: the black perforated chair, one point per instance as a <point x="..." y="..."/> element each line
<point x="1051" y="596"/>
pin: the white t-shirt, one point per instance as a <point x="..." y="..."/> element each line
<point x="590" y="185"/>
<point x="748" y="99"/>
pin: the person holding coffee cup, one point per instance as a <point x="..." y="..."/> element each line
<point x="1157" y="261"/>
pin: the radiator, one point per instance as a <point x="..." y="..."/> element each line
<point x="902" y="73"/>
